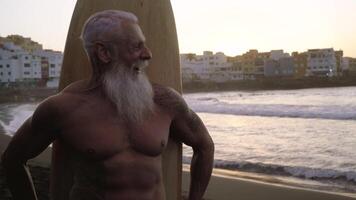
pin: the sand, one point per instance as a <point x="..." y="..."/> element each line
<point x="222" y="185"/>
<point x="231" y="188"/>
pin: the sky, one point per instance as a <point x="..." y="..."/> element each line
<point x="229" y="26"/>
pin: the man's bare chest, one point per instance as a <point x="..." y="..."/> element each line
<point x="97" y="133"/>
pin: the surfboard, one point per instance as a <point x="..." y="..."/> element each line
<point x="157" y="22"/>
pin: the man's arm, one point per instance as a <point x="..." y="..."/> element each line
<point x="30" y="140"/>
<point x="188" y="128"/>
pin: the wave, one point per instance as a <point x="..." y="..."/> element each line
<point x="212" y="105"/>
<point x="15" y="117"/>
<point x="294" y="171"/>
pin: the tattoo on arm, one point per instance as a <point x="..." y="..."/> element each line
<point x="194" y="121"/>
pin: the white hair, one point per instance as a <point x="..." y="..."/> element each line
<point x="98" y="25"/>
<point x="130" y="91"/>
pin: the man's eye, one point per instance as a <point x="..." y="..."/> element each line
<point x="137" y="47"/>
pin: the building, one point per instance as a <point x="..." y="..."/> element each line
<point x="208" y="67"/>
<point x="322" y="63"/>
<point x="278" y="54"/>
<point x="300" y="64"/>
<point x="39" y="67"/>
<point x="21" y="67"/>
<point x="338" y="56"/>
<point x="51" y="66"/>
<point x="284" y="67"/>
<point x="30" y="68"/>
<point x="250" y="70"/>
<point x="8" y="73"/>
<point x="24" y="43"/>
<point x="352" y="66"/>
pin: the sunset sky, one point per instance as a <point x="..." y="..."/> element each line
<point x="229" y="26"/>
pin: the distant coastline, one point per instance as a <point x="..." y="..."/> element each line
<point x="33" y="94"/>
<point x="269" y="84"/>
<point x="18" y="95"/>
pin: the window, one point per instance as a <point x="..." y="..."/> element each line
<point x="26" y="73"/>
<point x="26" y="57"/>
<point x="0" y="66"/>
<point x="1" y="73"/>
<point x="53" y="65"/>
<point x="9" y="73"/>
<point x="27" y="65"/>
<point x="8" y="66"/>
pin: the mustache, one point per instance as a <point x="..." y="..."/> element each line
<point x="140" y="65"/>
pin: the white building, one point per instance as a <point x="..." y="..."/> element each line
<point x="30" y="67"/>
<point x="11" y="47"/>
<point x="17" y="65"/>
<point x="278" y="54"/>
<point x="51" y="60"/>
<point x="321" y="62"/>
<point x="207" y="67"/>
<point x="8" y="73"/>
<point x="345" y="64"/>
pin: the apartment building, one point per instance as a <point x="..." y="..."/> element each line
<point x="300" y="64"/>
<point x="322" y="62"/>
<point x="283" y="67"/>
<point x="352" y="66"/>
<point x="20" y="66"/>
<point x="207" y="67"/>
<point x="51" y="66"/>
<point x="338" y="56"/>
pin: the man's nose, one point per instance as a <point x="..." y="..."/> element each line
<point x="146" y="54"/>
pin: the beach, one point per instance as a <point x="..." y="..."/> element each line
<point x="273" y="144"/>
<point x="224" y="185"/>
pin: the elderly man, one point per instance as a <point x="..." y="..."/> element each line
<point x="112" y="128"/>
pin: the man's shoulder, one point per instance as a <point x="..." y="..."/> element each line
<point x="169" y="98"/>
<point x="76" y="87"/>
<point x="164" y="90"/>
<point x="66" y="99"/>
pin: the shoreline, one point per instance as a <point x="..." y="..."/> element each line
<point x="24" y="95"/>
<point x="269" y="84"/>
<point x="275" y="180"/>
<point x="30" y="94"/>
<point x="224" y="184"/>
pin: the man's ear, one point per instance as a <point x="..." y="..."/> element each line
<point x="103" y="53"/>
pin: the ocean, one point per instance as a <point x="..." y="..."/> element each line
<point x="308" y="135"/>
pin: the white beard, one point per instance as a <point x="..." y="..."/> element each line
<point x="130" y="91"/>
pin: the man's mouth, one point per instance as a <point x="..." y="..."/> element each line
<point x="140" y="66"/>
<point x="137" y="69"/>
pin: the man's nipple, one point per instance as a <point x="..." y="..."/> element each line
<point x="90" y="151"/>
<point x="163" y="144"/>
